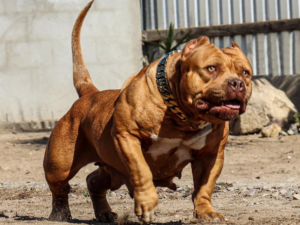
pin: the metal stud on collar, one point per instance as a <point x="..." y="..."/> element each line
<point x="165" y="91"/>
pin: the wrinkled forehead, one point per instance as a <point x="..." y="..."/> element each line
<point x="237" y="57"/>
<point x="211" y="54"/>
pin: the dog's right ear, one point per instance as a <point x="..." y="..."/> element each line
<point x="191" y="45"/>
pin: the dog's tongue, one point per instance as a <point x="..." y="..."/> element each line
<point x="232" y="105"/>
<point x="236" y="105"/>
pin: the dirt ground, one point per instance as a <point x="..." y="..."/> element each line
<point x="259" y="185"/>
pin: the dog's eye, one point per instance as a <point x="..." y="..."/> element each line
<point x="245" y="73"/>
<point x="211" y="69"/>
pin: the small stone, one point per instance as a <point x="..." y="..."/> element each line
<point x="290" y="132"/>
<point x="243" y="190"/>
<point x="258" y="187"/>
<point x="176" y="216"/>
<point x="194" y="221"/>
<point x="74" y="196"/>
<point x="186" y="188"/>
<point x="251" y="192"/>
<point x="250" y="218"/>
<point x="266" y="187"/>
<point x="230" y="188"/>
<point x="293" y="127"/>
<point x="283" y="191"/>
<point x="218" y="187"/>
<point x="283" y="133"/>
<point x="276" y="195"/>
<point x="112" y="194"/>
<point x="271" y="130"/>
<point x="122" y="196"/>
<point x="296" y="197"/>
<point x="289" y="193"/>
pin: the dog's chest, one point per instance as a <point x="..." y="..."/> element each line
<point x="177" y="150"/>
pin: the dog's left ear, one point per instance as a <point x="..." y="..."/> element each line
<point x="234" y="44"/>
<point x="191" y="45"/>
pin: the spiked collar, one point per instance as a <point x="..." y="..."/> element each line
<point x="166" y="94"/>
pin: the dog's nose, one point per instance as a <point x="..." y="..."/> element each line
<point x="236" y="85"/>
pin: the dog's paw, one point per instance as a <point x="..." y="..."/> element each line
<point x="210" y="216"/>
<point x="147" y="217"/>
<point x="145" y="203"/>
<point x="107" y="217"/>
<point x="62" y="215"/>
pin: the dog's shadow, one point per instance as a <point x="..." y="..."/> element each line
<point x="35" y="141"/>
<point x="78" y="221"/>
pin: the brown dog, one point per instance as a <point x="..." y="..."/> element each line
<point x="168" y="115"/>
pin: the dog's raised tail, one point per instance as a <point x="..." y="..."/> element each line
<point x="81" y="77"/>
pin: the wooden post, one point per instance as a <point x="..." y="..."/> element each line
<point x="273" y="40"/>
<point x="162" y="14"/>
<point x="193" y="13"/>
<point x="215" y="19"/>
<point x="250" y="39"/>
<point x="262" y="42"/>
<point x="286" y="40"/>
<point x="296" y="47"/>
<point x="226" y="19"/>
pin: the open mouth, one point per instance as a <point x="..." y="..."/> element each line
<point x="232" y="104"/>
<point x="226" y="110"/>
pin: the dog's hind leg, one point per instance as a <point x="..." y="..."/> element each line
<point x="67" y="152"/>
<point x="98" y="182"/>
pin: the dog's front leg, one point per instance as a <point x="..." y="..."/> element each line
<point x="145" y="194"/>
<point x="206" y="169"/>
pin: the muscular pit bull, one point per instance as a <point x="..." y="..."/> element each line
<point x="172" y="113"/>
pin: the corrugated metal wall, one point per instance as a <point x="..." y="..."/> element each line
<point x="269" y="54"/>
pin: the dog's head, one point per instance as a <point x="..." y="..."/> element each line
<point x="215" y="83"/>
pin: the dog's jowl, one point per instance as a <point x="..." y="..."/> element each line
<point x="172" y="113"/>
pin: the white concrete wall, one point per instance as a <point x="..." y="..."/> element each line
<point x="35" y="53"/>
